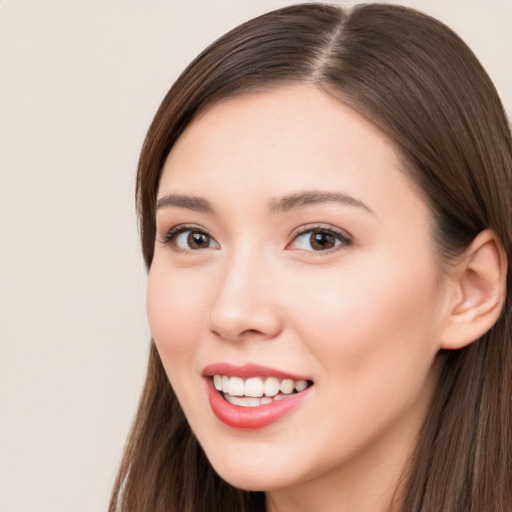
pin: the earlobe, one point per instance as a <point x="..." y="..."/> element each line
<point x="480" y="280"/>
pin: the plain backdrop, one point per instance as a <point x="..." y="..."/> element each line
<point x="79" y="84"/>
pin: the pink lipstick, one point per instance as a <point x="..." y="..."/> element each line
<point x="253" y="396"/>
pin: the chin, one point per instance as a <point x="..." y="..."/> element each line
<point x="253" y="476"/>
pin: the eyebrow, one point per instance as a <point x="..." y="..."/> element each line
<point x="197" y="204"/>
<point x="309" y="198"/>
<point x="276" y="205"/>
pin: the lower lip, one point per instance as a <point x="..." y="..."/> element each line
<point x="257" y="417"/>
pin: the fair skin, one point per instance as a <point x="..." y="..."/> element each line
<point x="339" y="283"/>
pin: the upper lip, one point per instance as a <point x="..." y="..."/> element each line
<point x="249" y="370"/>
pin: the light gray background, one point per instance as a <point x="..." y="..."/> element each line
<point x="79" y="83"/>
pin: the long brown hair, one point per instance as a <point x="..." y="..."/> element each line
<point x="421" y="85"/>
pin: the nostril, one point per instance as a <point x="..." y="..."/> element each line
<point x="250" y="332"/>
<point x="243" y="308"/>
<point x="240" y="329"/>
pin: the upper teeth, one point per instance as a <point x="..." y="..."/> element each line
<point x="257" y="386"/>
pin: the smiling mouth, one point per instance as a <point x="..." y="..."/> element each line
<point x="257" y="391"/>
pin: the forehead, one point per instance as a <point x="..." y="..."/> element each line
<point x="281" y="141"/>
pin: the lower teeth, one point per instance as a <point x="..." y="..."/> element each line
<point x="246" y="401"/>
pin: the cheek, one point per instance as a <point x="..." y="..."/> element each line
<point x="174" y="312"/>
<point x="373" y="341"/>
<point x="360" y="318"/>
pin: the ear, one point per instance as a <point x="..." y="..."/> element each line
<point x="480" y="288"/>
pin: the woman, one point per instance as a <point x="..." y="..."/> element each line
<point x="326" y="220"/>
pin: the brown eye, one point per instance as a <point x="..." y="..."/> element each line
<point x="198" y="240"/>
<point x="319" y="240"/>
<point x="190" y="240"/>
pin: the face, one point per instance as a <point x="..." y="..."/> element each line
<point x="294" y="270"/>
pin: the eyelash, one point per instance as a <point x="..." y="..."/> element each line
<point x="176" y="231"/>
<point x="343" y="239"/>
<point x="339" y="236"/>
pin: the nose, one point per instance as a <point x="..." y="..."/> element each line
<point x="244" y="305"/>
